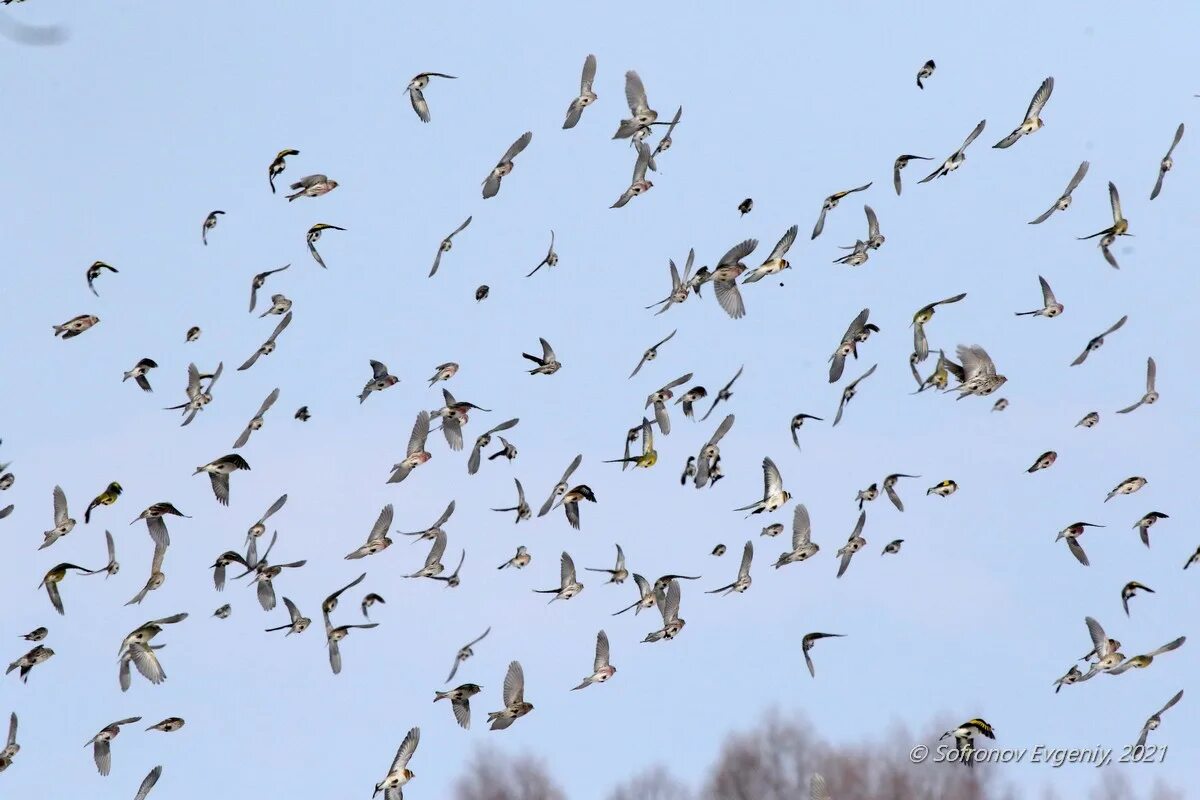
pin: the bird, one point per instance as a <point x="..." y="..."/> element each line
<point x="743" y="580"/>
<point x="547" y="364"/>
<point x="640" y="184"/>
<point x="923" y="315"/>
<point x="649" y="456"/>
<point x="746" y="206"/>
<point x="433" y="561"/>
<point x="602" y="670"/>
<point x="55" y="576"/>
<point x="312" y="186"/>
<point x="453" y="415"/>
<point x="460" y="702"/>
<point x="11" y="748"/>
<point x="1050" y="306"/>
<point x="1106" y="651"/>
<point x="1144" y="660"/>
<point x="849" y="344"/>
<point x="311" y="238"/>
<point x="64" y="523"/>
<point x="955" y="160"/>
<point x="803" y="547"/>
<point x="560" y="488"/>
<point x="586" y="95"/>
<point x="101" y="743"/>
<point x="193" y="333"/>
<point x="106" y="498"/>
<point x="37" y="634"/>
<point x="830" y="203"/>
<point x="280" y="305"/>
<point x="667" y="599"/>
<point x="302" y="414"/>
<point x="809" y="641"/>
<point x="964" y="737"/>
<point x="95" y="271"/>
<point x="139" y="372"/>
<point x="618" y="573"/>
<point x="256" y="422"/>
<point x="664" y="144"/>
<point x="380" y="379"/>
<point x="855" y="543"/>
<point x="900" y="163"/>
<point x="641" y="116"/>
<point x="377" y="539"/>
<point x="1164" y="166"/>
<point x="774" y="495"/>
<point x="155" y="524"/>
<point x="148" y="783"/>
<point x="1127" y="486"/>
<point x="522" y="507"/>
<point x="866" y="495"/>
<point x="1064" y="200"/>
<point x="515" y="705"/>
<point x="330" y="603"/>
<point x="1151" y="396"/>
<point x="168" y="725"/>
<point x="775" y="261"/>
<point x="278" y="165"/>
<point x="518" y="561"/>
<point x="889" y="488"/>
<point x="849" y="391"/>
<point x="223" y="612"/>
<point x="1155" y="720"/>
<point x="75" y="326"/>
<point x="681" y="287"/>
<point x="1072" y="676"/>
<point x="446" y="244"/>
<point x="465" y="652"/>
<point x="1089" y="420"/>
<point x="259" y="281"/>
<point x="571" y="500"/>
<point x="942" y="488"/>
<point x="817" y="788"/>
<point x="452" y="580"/>
<point x="491" y="184"/>
<point x="979" y="372"/>
<point x="1144" y="524"/>
<point x="398" y="773"/>
<point x="1120" y="226"/>
<point x="417" y="96"/>
<point x="25" y="664"/>
<point x="724" y="278"/>
<point x="1130" y="590"/>
<point x="210" y="222"/>
<point x="723" y="396"/>
<point x="333" y="638"/>
<point x="481" y="293"/>
<point x="892" y="547"/>
<point x="797" y="423"/>
<point x="569" y="585"/>
<point x="1044" y="461"/>
<point x="157" y="576"/>
<point x="370" y="599"/>
<point x="219" y="471"/>
<point x="416" y="454"/>
<point x="1033" y="120"/>
<point x="925" y="72"/>
<point x="1096" y="341"/>
<point x="1072" y="533"/>
<point x="652" y="353"/>
<point x="689" y="398"/>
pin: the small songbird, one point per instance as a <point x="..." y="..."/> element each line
<point x="26" y="663"/>
<point x="298" y="623"/>
<point x="956" y="159"/>
<point x="689" y="398"/>
<point x="522" y="507"/>
<point x="259" y="281"/>
<point x="1072" y="533"/>
<point x="223" y="612"/>
<point x="1146" y="659"/>
<point x="809" y="641"/>
<point x="313" y="235"/>
<point x="746" y="206"/>
<point x="155" y="524"/>
<point x="433" y="561"/>
<point x="518" y="561"/>
<point x="547" y="364"/>
<point x="210" y="222"/>
<point x="719" y="550"/>
<point x="1127" y="486"/>
<point x="1167" y="163"/>
<point x="312" y="186"/>
<point x="398" y="773"/>
<point x="892" y="547"/>
<point x="460" y="702"/>
<point x="774" y="495"/>
<point x="772" y="530"/>
<point x="925" y="72"/>
<point x="105" y="498"/>
<point x="942" y="489"/>
<point x="964" y="737"/>
<point x="889" y="488"/>
<point x="550" y="260"/>
<point x="601" y="669"/>
<point x="193" y="333"/>
<point x="444" y="247"/>
<point x="464" y="653"/>
<point x="1064" y="200"/>
<point x="640" y="184"/>
<point x="723" y="395"/>
<point x="1073" y="675"/>
<point x="855" y="543"/>
<point x="618" y="573"/>
<point x="481" y="293"/>
<point x="101" y="743"/>
<point x="148" y="783"/>
<point x="923" y="315"/>
<point x="219" y="471"/>
<point x="979" y="372"/>
<point x="1106" y="651"/>
<point x="11" y="748"/>
<point x="452" y="580"/>
<point x="797" y="423"/>
<point x="1044" y="461"/>
<point x="1050" y="306"/>
<point x="586" y="95"/>
<point x="330" y="603"/>
<point x="569" y="585"/>
<point x="168" y="725"/>
<point x="743" y="580"/>
<point x="380" y="379"/>
<point x="75" y="326"/>
<point x="1000" y="404"/>
<point x="1120" y="226"/>
<point x="1129" y="590"/>
<point x="55" y="576"/>
<point x="491" y="184"/>
<point x="849" y="391"/>
<point x="900" y="163"/>
<point x="369" y="600"/>
<point x="666" y="597"/>
<point x="515" y="705"/>
<point x="419" y="82"/>
<point x="1097" y="341"/>
<point x="278" y="165"/>
<point x="1144" y="524"/>
<point x="377" y="539"/>
<point x="36" y="635"/>
<point x="560" y="488"/>
<point x="157" y="576"/>
<point x="866" y="495"/>
<point x="63" y="522"/>
<point x="1156" y="719"/>
<point x="1151" y="396"/>
<point x="139" y="372"/>
<point x="830" y="203"/>
<point x="803" y="546"/>
<point x="724" y="278"/>
<point x="256" y="422"/>
<point x="280" y="305"/>
<point x="664" y="144"/>
<point x="775" y="262"/>
<point x="1090" y="420"/>
<point x="333" y="637"/>
<point x="95" y="271"/>
<point x="641" y="116"/>
<point x="1032" y="121"/>
<point x="302" y="414"/>
<point x="652" y="353"/>
<point x="649" y="456"/>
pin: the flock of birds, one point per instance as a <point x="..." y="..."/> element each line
<point x="972" y="370"/>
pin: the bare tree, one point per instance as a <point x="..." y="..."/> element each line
<point x="655" y="783"/>
<point x="494" y="776"/>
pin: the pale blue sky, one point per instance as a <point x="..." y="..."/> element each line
<point x="118" y="143"/>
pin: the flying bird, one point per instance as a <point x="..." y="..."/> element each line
<point x="311" y="238"/>
<point x="1064" y="200"/>
<point x="955" y="160"/>
<point x="1167" y="163"/>
<point x="446" y="244"/>
<point x="491" y="184"/>
<point x="1033" y="120"/>
<point x="417" y="96"/>
<point x="586" y="95"/>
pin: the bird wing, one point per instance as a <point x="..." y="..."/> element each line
<point x="60" y="506"/>
<point x="382" y="524"/>
<point x="729" y="298"/>
<point x="1040" y="98"/>
<point x="856" y="326"/>
<point x="514" y="684"/>
<point x="406" y="750"/>
<point x="784" y="243"/>
<point x="601" y="652"/>
<point x="1077" y="177"/>
<point x="747" y="557"/>
<point x="515" y="149"/>
<point x="566" y="569"/>
<point x="589" y="74"/>
<point x="437" y="550"/>
<point x="1115" y="326"/>
<point x="801" y="527"/>
<point x="973" y="135"/>
<point x="1099" y="637"/>
<point x="738" y="252"/>
<point x="772" y="480"/>
<point x="420" y="432"/>
<point x="1047" y="292"/>
<point x="1151" y="373"/>
<point x="1114" y="200"/>
<point x="635" y="93"/>
<point x="270" y="401"/>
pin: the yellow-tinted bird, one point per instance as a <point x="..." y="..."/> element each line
<point x="649" y="456"/>
<point x="105" y="498"/>
<point x="278" y="165"/>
